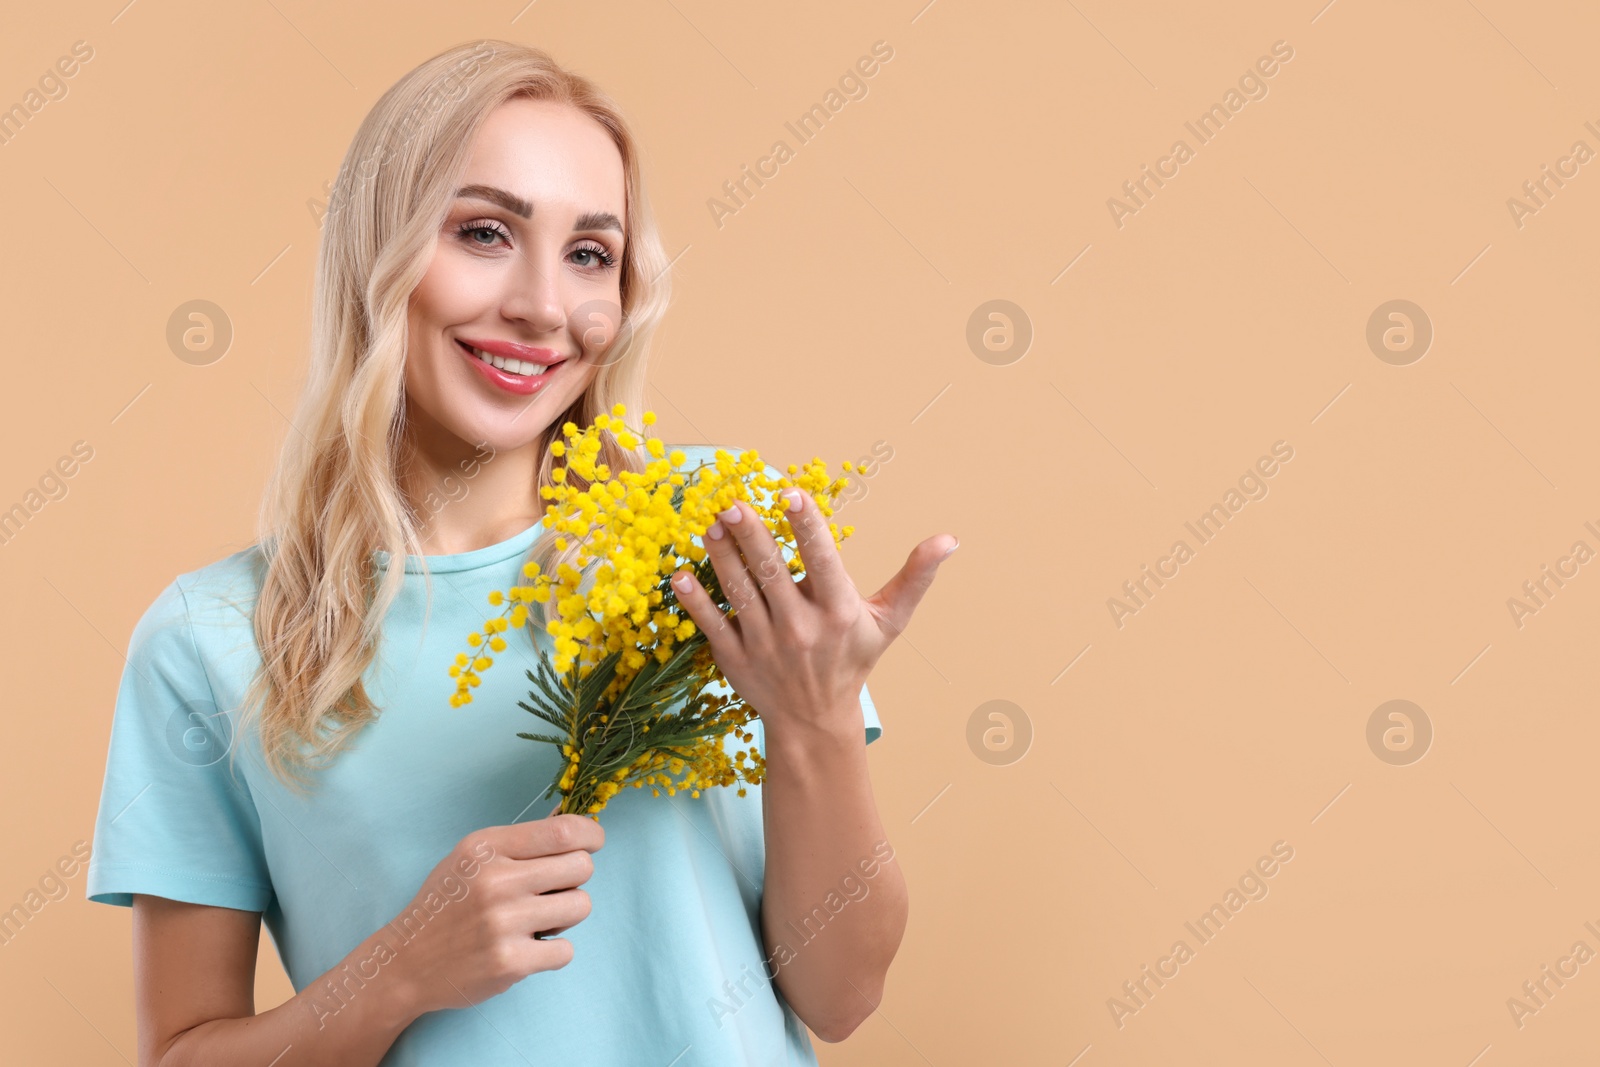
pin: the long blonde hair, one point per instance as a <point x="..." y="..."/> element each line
<point x="335" y="497"/>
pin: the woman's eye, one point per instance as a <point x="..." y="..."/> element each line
<point x="473" y="233"/>
<point x="598" y="257"/>
<point x="482" y="233"/>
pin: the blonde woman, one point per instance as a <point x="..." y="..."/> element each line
<point x="283" y="746"/>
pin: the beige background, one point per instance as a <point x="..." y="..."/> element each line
<point x="830" y="314"/>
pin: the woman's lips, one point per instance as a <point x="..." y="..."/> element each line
<point x="520" y="384"/>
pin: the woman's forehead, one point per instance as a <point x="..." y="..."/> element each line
<point x="547" y="156"/>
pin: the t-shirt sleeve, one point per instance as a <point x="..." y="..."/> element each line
<point x="176" y="819"/>
<point x="869" y="712"/>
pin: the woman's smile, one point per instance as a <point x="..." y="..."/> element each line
<point x="515" y="368"/>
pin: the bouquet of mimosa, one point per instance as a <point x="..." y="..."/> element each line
<point x="626" y="693"/>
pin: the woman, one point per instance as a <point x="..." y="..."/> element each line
<point x="489" y="271"/>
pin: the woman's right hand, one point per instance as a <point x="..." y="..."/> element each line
<point x="494" y="891"/>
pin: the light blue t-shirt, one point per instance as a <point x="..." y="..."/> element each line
<point x="676" y="890"/>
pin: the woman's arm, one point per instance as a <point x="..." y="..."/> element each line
<point x="195" y="965"/>
<point x="800" y="652"/>
<point x="195" y="972"/>
<point x="831" y="928"/>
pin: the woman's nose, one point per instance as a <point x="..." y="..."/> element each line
<point x="537" y="294"/>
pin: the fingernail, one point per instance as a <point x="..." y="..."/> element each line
<point x="681" y="582"/>
<point x="731" y="516"/>
<point x="951" y="549"/>
<point x="715" y="532"/>
<point x="793" y="497"/>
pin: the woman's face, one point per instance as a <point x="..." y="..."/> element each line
<point x="527" y="273"/>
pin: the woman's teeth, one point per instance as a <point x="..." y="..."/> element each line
<point x="511" y="366"/>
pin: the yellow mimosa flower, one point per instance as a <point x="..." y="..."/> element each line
<point x="614" y="609"/>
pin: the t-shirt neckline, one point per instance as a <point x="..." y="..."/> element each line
<point x="477" y="557"/>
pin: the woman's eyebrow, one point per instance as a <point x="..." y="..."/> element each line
<point x="598" y="220"/>
<point x="511" y="202"/>
<point x="589" y="220"/>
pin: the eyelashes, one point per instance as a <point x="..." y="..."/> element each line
<point x="467" y="229"/>
<point x="482" y="226"/>
<point x="607" y="260"/>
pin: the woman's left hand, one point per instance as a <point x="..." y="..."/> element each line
<point x="799" y="652"/>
